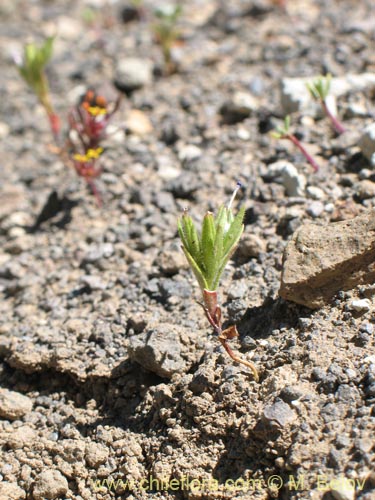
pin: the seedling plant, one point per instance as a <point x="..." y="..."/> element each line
<point x="284" y="132"/>
<point x="319" y="90"/>
<point x="167" y="33"/>
<point x="87" y="122"/>
<point x="208" y="253"/>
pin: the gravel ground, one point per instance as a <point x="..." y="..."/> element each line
<point x="108" y="369"/>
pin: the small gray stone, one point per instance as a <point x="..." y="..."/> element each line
<point x="241" y="106"/>
<point x="14" y="405"/>
<point x="93" y="282"/>
<point x="280" y="413"/>
<point x="50" y="484"/>
<point x="189" y="153"/>
<point x="133" y="73"/>
<point x="315" y="209"/>
<point x="293" y="181"/>
<point x="159" y="349"/>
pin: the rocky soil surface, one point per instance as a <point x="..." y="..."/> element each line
<point x="110" y="377"/>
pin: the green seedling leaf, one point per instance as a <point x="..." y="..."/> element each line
<point x="209" y="253"/>
<point x="320" y="87"/>
<point x="282" y="130"/>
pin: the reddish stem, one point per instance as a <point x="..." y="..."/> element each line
<point x="54" y="122"/>
<point x="335" y="122"/>
<point x="308" y="157"/>
<point x="94" y="191"/>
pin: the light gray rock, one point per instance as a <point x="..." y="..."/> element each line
<point x="132" y="73"/>
<point x="162" y="349"/>
<point x="240" y="106"/>
<point x="367" y="143"/>
<point x="50" y="484"/>
<point x="14" y="405"/>
<point x="321" y="260"/>
<point x="189" y="153"/>
<point x="279" y="413"/>
<point x="292" y="180"/>
<point x="360" y="305"/>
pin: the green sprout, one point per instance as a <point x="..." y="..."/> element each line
<point x="207" y="254"/>
<point x="283" y="132"/>
<point x="32" y="69"/>
<point x="166" y="32"/>
<point x="319" y="90"/>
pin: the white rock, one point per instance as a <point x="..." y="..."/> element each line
<point x="315" y="209"/>
<point x="292" y="180"/>
<point x="4" y="130"/>
<point x="360" y="305"/>
<point x="133" y="73"/>
<point x="315" y="192"/>
<point x="345" y="491"/>
<point x="296" y="97"/>
<point x="189" y="153"/>
<point x="367" y="143"/>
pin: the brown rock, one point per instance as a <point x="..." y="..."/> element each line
<point x="320" y="260"/>
<point x="14" y="405"/>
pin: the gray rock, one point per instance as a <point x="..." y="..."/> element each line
<point x="14" y="405"/>
<point x="321" y="260"/>
<point x="241" y="106"/>
<point x="96" y="253"/>
<point x="93" y="282"/>
<point x="50" y="484"/>
<point x="189" y="153"/>
<point x="315" y="209"/>
<point x="292" y="180"/>
<point x="279" y="413"/>
<point x="159" y="349"/>
<point x="132" y="73"/>
<point x="367" y="143"/>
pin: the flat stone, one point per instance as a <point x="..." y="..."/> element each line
<point x="14" y="405"/>
<point x="321" y="260"/>
<point x="159" y="349"/>
<point x="241" y="106"/>
<point x="279" y="413"/>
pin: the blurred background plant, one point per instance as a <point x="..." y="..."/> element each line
<point x="167" y="32"/>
